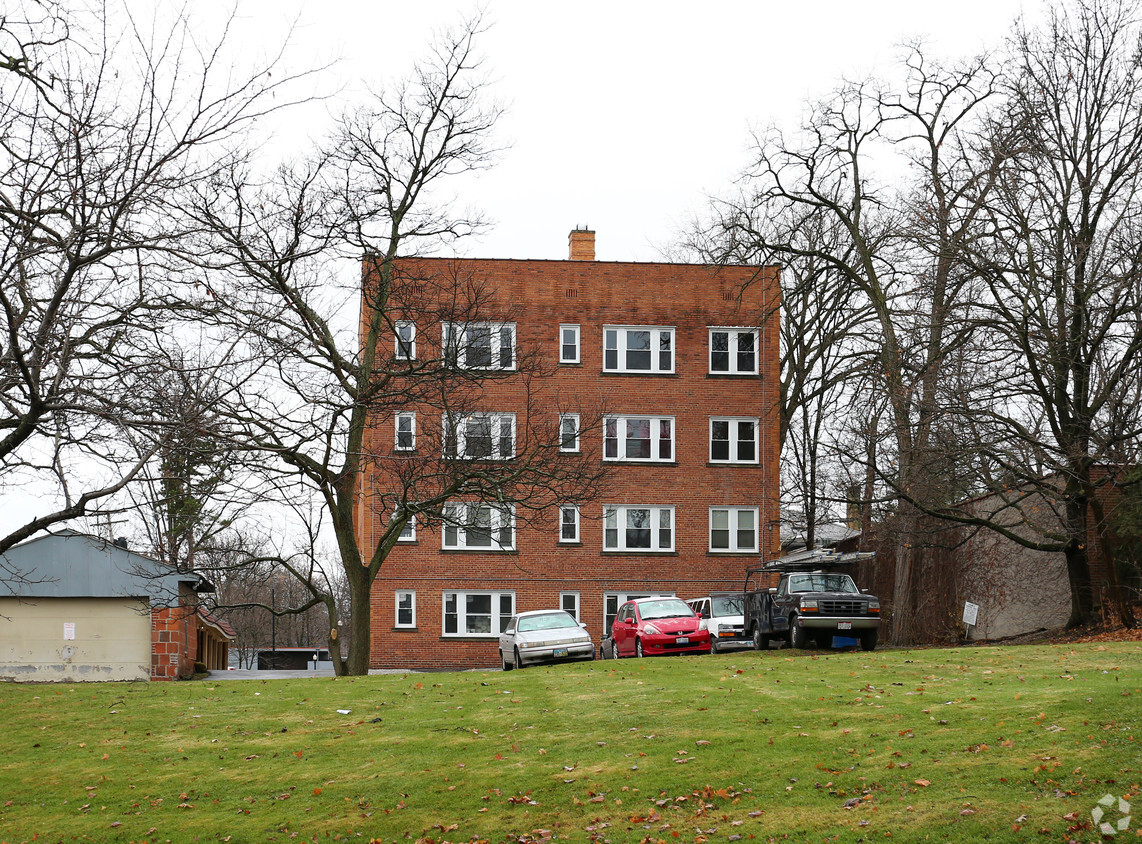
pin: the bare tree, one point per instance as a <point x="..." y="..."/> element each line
<point x="1064" y="272"/>
<point x="892" y="252"/>
<point x="319" y="396"/>
<point x="100" y="138"/>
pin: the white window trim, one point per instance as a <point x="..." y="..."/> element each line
<point x="409" y="526"/>
<point x="457" y="430"/>
<point x="655" y="441"/>
<point x="456" y="522"/>
<point x="457" y="353"/>
<point x="733" y="441"/>
<point x="569" y="327"/>
<point x="498" y="619"/>
<point x="575" y="596"/>
<point x="734" y="332"/>
<point x="564" y="446"/>
<point x="404" y="414"/>
<point x="396" y="609"/>
<point x="733" y="531"/>
<point x="655" y="341"/>
<point x="404" y="351"/>
<point x="569" y="507"/>
<point x="620" y="511"/>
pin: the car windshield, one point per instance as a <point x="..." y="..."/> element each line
<point x="666" y="608"/>
<point x="547" y="621"/>
<point x="727" y="606"/>
<point x="821" y="583"/>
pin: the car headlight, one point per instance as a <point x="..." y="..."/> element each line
<point x="874" y="606"/>
<point x="809" y="604"/>
<point x="651" y="629"/>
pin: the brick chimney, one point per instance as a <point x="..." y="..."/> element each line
<point x="581" y="245"/>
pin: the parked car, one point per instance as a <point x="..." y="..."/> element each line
<point x="721" y="614"/>
<point x="657" y="626"/>
<point x="540" y="636"/>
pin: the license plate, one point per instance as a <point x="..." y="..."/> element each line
<point x="845" y="625"/>
<point x="682" y="640"/>
<point x="560" y="652"/>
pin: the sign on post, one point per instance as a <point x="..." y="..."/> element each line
<point x="971" y="613"/>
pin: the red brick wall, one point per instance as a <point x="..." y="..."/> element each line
<point x="545" y="294"/>
<point x="174" y="643"/>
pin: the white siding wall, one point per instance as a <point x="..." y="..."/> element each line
<point x="112" y="639"/>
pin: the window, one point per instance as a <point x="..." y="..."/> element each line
<point x="638" y="349"/>
<point x="733" y="351"/>
<point x="638" y="438"/>
<point x="482" y="436"/>
<point x="569" y="344"/>
<point x="406" y="341"/>
<point x="477" y="613"/>
<point x="733" y="529"/>
<point x="568" y="431"/>
<point x="479" y="527"/>
<point x="568" y="523"/>
<point x="638" y="529"/>
<point x="480" y="345"/>
<point x="408" y="532"/>
<point x="406" y="609"/>
<point x="613" y="600"/>
<point x="733" y="440"/>
<point x="569" y="603"/>
<point x="406" y="431"/>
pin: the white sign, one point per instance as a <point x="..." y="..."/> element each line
<point x="971" y="613"/>
<point x="69" y="630"/>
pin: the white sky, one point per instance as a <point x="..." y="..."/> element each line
<point x="622" y="116"/>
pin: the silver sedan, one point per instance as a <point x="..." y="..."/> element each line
<point x="544" y="636"/>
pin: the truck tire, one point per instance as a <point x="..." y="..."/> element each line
<point x="868" y="640"/>
<point x="798" y="635"/>
<point x="760" y="641"/>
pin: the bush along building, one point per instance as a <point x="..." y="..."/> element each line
<point x="664" y="377"/>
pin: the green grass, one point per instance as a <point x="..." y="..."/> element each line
<point x="943" y="745"/>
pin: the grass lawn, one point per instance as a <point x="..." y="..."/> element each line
<point x="999" y="744"/>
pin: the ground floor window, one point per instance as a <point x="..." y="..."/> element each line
<point x="569" y="602"/>
<point x="406" y="609"/>
<point x="477" y="613"/>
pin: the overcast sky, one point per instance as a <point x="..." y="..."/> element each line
<point x="623" y="116"/>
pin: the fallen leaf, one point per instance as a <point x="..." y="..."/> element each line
<point x="923" y="783"/>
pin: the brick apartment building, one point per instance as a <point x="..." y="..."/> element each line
<point x="684" y="359"/>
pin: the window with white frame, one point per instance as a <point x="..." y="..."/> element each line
<point x="479" y="345"/>
<point x="405" y="609"/>
<point x="733" y="439"/>
<point x="733" y="351"/>
<point x="478" y="527"/>
<point x="406" y="431"/>
<point x="569" y="344"/>
<point x="638" y="349"/>
<point x="569" y="603"/>
<point x="481" y="436"/>
<point x="638" y="438"/>
<point x="648" y="529"/>
<point x="568" y="523"/>
<point x="408" y="532"/>
<point x="613" y="600"/>
<point x="406" y="340"/>
<point x="568" y="431"/>
<point x="477" y="613"/>
<point x="733" y="529"/>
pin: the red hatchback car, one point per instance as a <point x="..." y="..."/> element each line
<point x="658" y="626"/>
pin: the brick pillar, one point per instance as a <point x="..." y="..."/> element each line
<point x="581" y="245"/>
